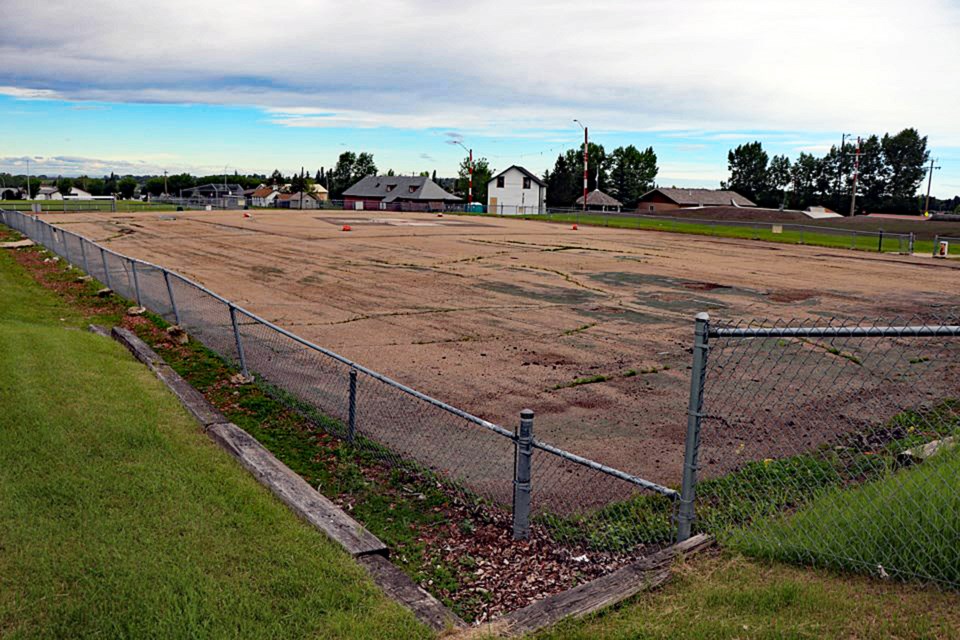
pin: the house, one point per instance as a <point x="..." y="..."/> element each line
<point x="48" y="193"/>
<point x="296" y="201"/>
<point x="319" y="192"/>
<point x="76" y="193"/>
<point x="397" y="193"/>
<point x="667" y="199"/>
<point x="516" y="191"/>
<point x="599" y="201"/>
<point x="262" y="196"/>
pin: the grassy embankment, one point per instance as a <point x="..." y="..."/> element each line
<point x="119" y="518"/>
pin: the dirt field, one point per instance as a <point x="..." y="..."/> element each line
<point x="495" y="315"/>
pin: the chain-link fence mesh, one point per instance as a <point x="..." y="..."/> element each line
<point x="573" y="500"/>
<point x="833" y="443"/>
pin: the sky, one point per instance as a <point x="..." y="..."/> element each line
<point x="209" y="86"/>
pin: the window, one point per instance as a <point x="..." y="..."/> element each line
<point x="391" y="187"/>
<point x="526" y="183"/>
<point x="500" y="182"/>
<point x="413" y="188"/>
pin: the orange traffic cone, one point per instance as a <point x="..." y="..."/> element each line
<point x="439" y="215"/>
<point x="246" y="215"/>
<point x="346" y="227"/>
<point x="574" y="227"/>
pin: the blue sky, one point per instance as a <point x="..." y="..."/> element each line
<point x="202" y="85"/>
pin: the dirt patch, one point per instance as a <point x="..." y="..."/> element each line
<point x="787" y="295"/>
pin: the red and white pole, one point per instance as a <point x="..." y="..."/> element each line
<point x="856" y="175"/>
<point x="470" y="186"/>
<point x="586" y="143"/>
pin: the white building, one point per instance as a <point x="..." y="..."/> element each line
<point x="515" y="192"/>
<point x="77" y="193"/>
<point x="48" y="193"/>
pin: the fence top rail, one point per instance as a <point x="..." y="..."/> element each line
<point x="640" y="482"/>
<point x="359" y="367"/>
<point x="834" y="332"/>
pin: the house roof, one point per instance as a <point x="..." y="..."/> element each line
<point x="597" y="198"/>
<point x="702" y="197"/>
<point x="47" y="190"/>
<point x="261" y="192"/>
<point x="393" y="188"/>
<point x="525" y="172"/>
<point x="293" y="196"/>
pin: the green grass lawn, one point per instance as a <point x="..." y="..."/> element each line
<point x="908" y="522"/>
<point x="860" y="242"/>
<point x="725" y="595"/>
<point x="118" y="518"/>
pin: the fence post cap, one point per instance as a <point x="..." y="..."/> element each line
<point x="703" y="315"/>
<point x="526" y="413"/>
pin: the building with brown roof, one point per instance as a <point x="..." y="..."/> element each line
<point x="666" y="199"/>
<point x="599" y="201"/>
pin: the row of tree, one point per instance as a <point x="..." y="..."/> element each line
<point x="890" y="175"/>
<point x="626" y="174"/>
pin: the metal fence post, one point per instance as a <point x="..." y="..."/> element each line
<point x="521" y="476"/>
<point x="936" y="243"/>
<point x="136" y="281"/>
<point x="880" y="242"/>
<point x="236" y="337"/>
<point x="66" y="246"/>
<point x="173" y="301"/>
<point x="106" y="268"/>
<point x="352" y="410"/>
<point x="688" y="491"/>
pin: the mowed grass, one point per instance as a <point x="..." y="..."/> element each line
<point x="859" y="242"/>
<point x="726" y="595"/>
<point x="906" y="525"/>
<point x="118" y="518"/>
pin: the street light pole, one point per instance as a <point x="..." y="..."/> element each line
<point x="926" y="206"/>
<point x="586" y="146"/>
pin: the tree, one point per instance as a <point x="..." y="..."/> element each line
<point x="424" y="174"/>
<point x="298" y="182"/>
<point x="434" y="177"/>
<point x="154" y="185"/>
<point x="126" y="187"/>
<point x="748" y="170"/>
<point x="562" y="187"/>
<point x="64" y="185"/>
<point x="364" y="167"/>
<point x="905" y="156"/>
<point x="481" y="176"/>
<point x="873" y="175"/>
<point x="631" y="174"/>
<point x="779" y="175"/>
<point x="276" y="178"/>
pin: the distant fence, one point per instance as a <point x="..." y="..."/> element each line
<point x="833" y="444"/>
<point x="572" y="498"/>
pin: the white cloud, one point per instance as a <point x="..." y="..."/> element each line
<point x="63" y="165"/>
<point x="755" y="65"/>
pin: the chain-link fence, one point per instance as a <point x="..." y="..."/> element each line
<point x="829" y="443"/>
<point x="570" y="499"/>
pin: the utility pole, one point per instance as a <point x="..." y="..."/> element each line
<point x="469" y="170"/>
<point x="856" y="174"/>
<point x="165" y="182"/>
<point x="29" y="193"/>
<point x="843" y="143"/>
<point x="926" y="206"/>
<point x="586" y="146"/>
<point x="303" y="188"/>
